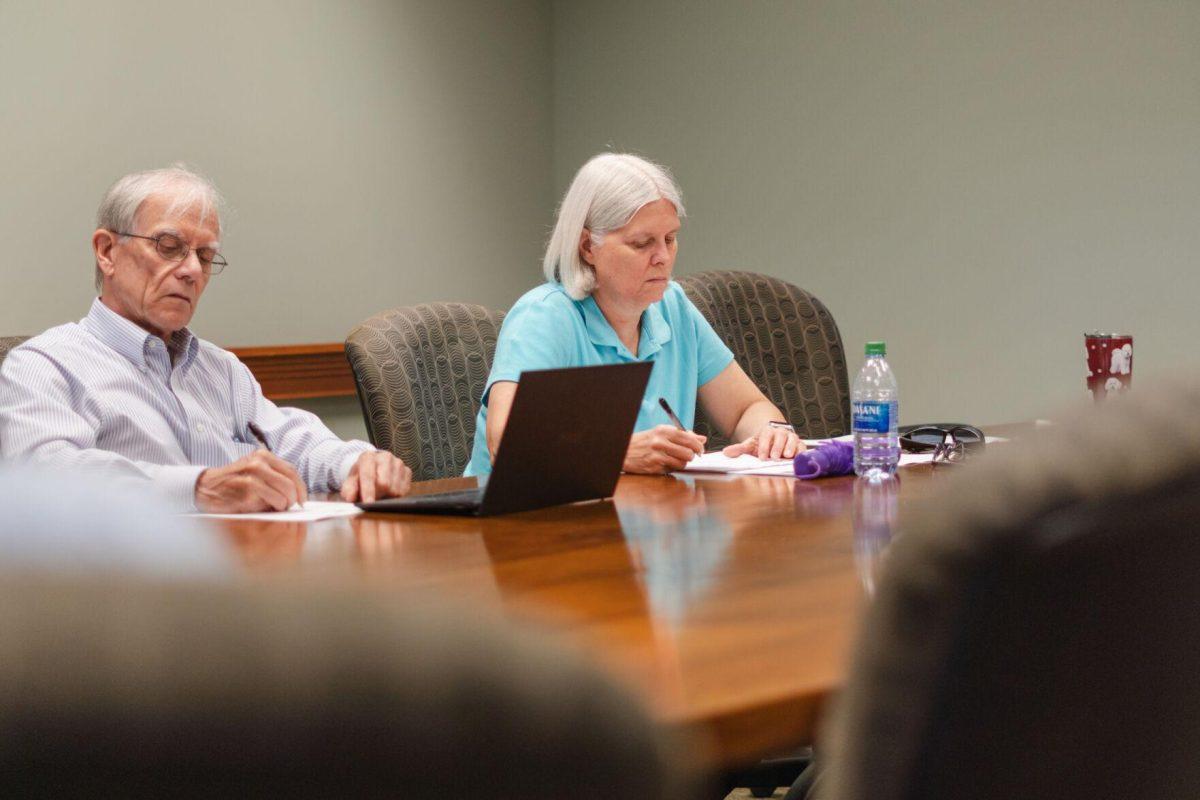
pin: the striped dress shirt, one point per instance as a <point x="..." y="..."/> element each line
<point x="103" y="394"/>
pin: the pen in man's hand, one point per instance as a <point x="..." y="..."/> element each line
<point x="262" y="439"/>
<point x="258" y="434"/>
<point x="662" y="401"/>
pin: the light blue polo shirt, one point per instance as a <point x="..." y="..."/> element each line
<point x="546" y="329"/>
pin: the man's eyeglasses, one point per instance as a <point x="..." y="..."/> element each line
<point x="950" y="445"/>
<point x="172" y="248"/>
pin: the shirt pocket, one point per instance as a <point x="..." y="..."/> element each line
<point x="242" y="449"/>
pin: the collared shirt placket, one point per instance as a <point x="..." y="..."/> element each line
<point x="158" y="359"/>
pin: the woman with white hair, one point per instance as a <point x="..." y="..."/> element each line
<point x="609" y="299"/>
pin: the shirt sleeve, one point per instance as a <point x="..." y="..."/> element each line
<point x="297" y="436"/>
<point x="530" y="338"/>
<point x="712" y="354"/>
<point x="44" y="423"/>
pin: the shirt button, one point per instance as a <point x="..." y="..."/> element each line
<point x="199" y="427"/>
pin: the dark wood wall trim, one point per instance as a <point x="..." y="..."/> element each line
<point x="297" y="371"/>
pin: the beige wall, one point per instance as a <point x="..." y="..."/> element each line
<point x="374" y="153"/>
<point x="976" y="183"/>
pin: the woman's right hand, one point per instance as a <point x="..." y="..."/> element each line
<point x="662" y="449"/>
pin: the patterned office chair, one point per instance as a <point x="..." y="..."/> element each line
<point x="8" y="343"/>
<point x="420" y="373"/>
<point x="786" y="341"/>
<point x="121" y="687"/>
<point x="1035" y="630"/>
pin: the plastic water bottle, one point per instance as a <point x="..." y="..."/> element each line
<point x="875" y="409"/>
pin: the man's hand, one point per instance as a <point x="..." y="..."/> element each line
<point x="377" y="474"/>
<point x="769" y="442"/>
<point x="661" y="449"/>
<point x="257" y="482"/>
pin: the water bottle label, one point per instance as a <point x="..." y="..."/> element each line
<point x="872" y="417"/>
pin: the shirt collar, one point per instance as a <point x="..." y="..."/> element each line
<point x="131" y="340"/>
<point x="655" y="332"/>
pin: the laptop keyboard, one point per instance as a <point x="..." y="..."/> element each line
<point x="462" y="498"/>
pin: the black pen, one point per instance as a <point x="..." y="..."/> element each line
<point x="262" y="439"/>
<point x="258" y="434"/>
<point x="662" y="401"/>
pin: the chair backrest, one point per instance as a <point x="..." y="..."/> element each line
<point x="420" y="373"/>
<point x="127" y="688"/>
<point x="1035" y="632"/>
<point x="786" y="341"/>
<point x="8" y="343"/>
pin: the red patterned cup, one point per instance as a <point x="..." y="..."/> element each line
<point x="1110" y="363"/>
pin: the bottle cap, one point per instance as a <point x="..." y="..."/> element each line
<point x="876" y="348"/>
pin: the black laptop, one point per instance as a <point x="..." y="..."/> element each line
<point x="565" y="441"/>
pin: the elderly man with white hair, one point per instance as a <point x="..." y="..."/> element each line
<point x="131" y="392"/>
<point x="609" y="299"/>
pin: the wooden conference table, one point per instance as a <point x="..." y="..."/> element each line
<point x="730" y="603"/>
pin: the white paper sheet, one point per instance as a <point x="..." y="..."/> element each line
<point x="717" y="461"/>
<point x="312" y="511"/>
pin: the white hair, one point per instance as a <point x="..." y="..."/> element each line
<point x="607" y="191"/>
<point x="186" y="187"/>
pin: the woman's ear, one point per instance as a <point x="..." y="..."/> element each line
<point x="586" y="249"/>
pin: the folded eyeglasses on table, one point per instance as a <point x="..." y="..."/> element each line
<point x="951" y="443"/>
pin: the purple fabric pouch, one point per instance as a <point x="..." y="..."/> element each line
<point x="830" y="458"/>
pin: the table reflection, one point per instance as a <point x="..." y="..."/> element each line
<point x="677" y="542"/>
<point x="821" y="498"/>
<point x="268" y="543"/>
<point x="876" y="506"/>
<point x="378" y="540"/>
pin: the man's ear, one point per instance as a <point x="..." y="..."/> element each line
<point x="103" y="242"/>
<point x="586" y="251"/>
